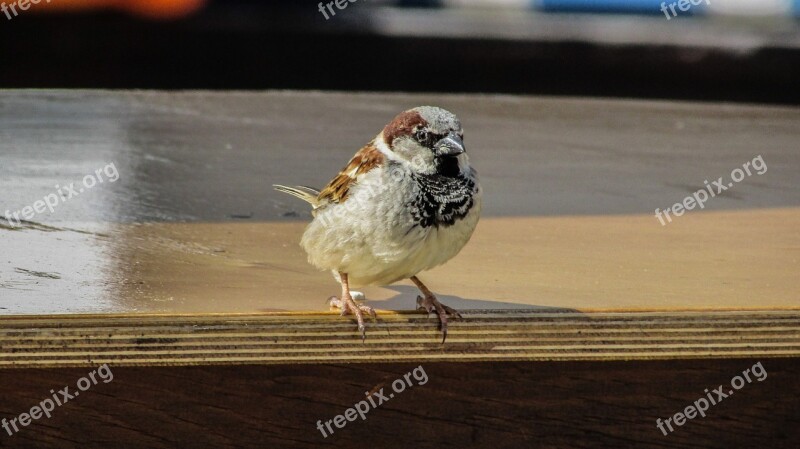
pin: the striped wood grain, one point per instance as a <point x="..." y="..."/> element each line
<point x="281" y="338"/>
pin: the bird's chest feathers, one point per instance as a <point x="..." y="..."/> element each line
<point x="441" y="201"/>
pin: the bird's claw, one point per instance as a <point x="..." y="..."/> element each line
<point x="348" y="305"/>
<point x="429" y="304"/>
<point x="363" y="330"/>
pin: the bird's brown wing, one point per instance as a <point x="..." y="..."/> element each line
<point x="364" y="160"/>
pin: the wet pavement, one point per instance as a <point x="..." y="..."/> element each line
<point x="177" y="213"/>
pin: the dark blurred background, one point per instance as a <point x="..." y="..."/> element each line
<point x="718" y="50"/>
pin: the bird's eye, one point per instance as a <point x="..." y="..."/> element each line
<point x="422" y="136"/>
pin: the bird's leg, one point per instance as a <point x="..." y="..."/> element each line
<point x="428" y="303"/>
<point x="348" y="305"/>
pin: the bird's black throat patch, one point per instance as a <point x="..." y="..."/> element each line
<point x="442" y="200"/>
<point x="448" y="167"/>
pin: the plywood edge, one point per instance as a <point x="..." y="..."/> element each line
<point x="306" y="337"/>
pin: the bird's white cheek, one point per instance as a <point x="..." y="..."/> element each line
<point x="422" y="162"/>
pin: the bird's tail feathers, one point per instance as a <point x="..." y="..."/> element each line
<point x="306" y="194"/>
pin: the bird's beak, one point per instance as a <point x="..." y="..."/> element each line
<point x="449" y="146"/>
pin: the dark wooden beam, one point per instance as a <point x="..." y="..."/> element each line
<point x="485" y="404"/>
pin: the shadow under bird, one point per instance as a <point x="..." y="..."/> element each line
<point x="406" y="202"/>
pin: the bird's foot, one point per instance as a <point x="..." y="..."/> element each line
<point x="348" y="305"/>
<point x="429" y="303"/>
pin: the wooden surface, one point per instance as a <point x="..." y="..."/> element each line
<point x="501" y="335"/>
<point x="193" y="225"/>
<point x="491" y="405"/>
<point x="586" y="263"/>
<point x="191" y="259"/>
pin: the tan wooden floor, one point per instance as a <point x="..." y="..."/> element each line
<point x="729" y="260"/>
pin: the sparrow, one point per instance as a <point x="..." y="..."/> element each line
<point x="406" y="202"/>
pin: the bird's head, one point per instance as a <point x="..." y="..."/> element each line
<point x="428" y="140"/>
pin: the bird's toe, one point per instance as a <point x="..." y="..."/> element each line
<point x="429" y="304"/>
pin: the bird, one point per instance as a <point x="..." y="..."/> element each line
<point x="406" y="202"/>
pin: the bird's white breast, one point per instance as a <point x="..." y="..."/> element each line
<point x="372" y="235"/>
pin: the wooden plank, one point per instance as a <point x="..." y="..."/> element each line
<point x="584" y="263"/>
<point x="500" y="335"/>
<point x="482" y="404"/>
